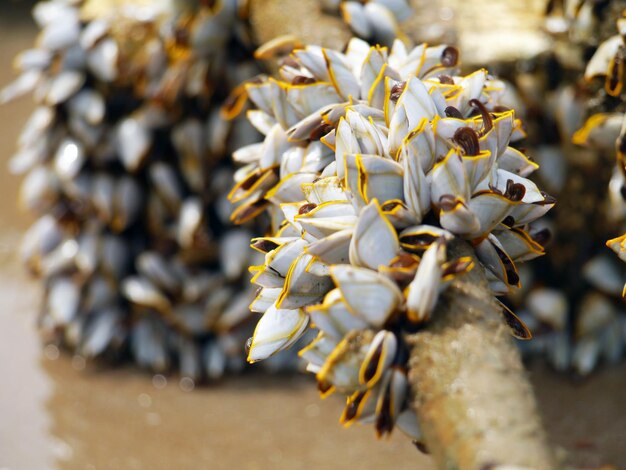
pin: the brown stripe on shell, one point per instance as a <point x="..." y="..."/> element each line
<point x="352" y="407"/>
<point x="384" y="420"/>
<point x="372" y="364"/>
<point x="265" y="245"/>
<point x="518" y="327"/>
<point x="512" y="278"/>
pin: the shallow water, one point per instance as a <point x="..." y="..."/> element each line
<point x="57" y="414"/>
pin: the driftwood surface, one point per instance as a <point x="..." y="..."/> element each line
<point x="473" y="399"/>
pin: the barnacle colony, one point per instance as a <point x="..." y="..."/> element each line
<point x="599" y="324"/>
<point x="607" y="130"/>
<point x="374" y="161"/>
<point x="124" y="166"/>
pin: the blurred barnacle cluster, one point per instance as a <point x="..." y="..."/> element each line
<point x="124" y="164"/>
<point x="571" y="298"/>
<point x="374" y="162"/>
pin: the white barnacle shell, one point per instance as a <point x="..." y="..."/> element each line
<point x="367" y="293"/>
<point x="375" y="242"/>
<point x="599" y="63"/>
<point x="133" y="142"/>
<point x="549" y="306"/>
<point x="141" y="291"/>
<point x="379" y="357"/>
<point x="301" y="286"/>
<point x="276" y="330"/>
<point x="333" y="318"/>
<point x="423" y="292"/>
<point x="449" y="178"/>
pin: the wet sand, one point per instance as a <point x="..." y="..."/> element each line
<point x="57" y="414"/>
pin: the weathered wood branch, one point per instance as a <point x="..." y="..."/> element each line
<point x="473" y="400"/>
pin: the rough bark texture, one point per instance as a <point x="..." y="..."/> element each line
<point x="474" y="402"/>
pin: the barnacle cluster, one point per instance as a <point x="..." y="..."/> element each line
<point x="571" y="299"/>
<point x="606" y="130"/>
<point x="123" y="163"/>
<point x="374" y="161"/>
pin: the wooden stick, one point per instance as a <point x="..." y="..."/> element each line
<point x="473" y="399"/>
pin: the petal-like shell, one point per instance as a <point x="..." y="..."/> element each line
<point x="383" y="23"/>
<point x="341" y="369"/>
<point x="265" y="298"/>
<point x="317" y="352"/>
<point x="276" y="330"/>
<point x="600" y="131"/>
<point x="333" y="249"/>
<point x="302" y="287"/>
<point x="261" y="121"/>
<point x="341" y="75"/>
<point x="414" y="105"/>
<point x="310" y="98"/>
<point x="360" y="407"/>
<point x="423" y="292"/>
<point x="375" y="242"/>
<point x="456" y="217"/>
<point x="490" y="209"/>
<point x="312" y="58"/>
<point x="492" y="255"/>
<point x="519" y="245"/>
<point x="516" y="162"/>
<point x="324" y="190"/>
<point x="379" y="357"/>
<point x="391" y="399"/>
<point x="518" y="328"/>
<point x="376" y="177"/>
<point x="599" y="63"/>
<point x="345" y="143"/>
<point x="333" y="317"/>
<point x="408" y="424"/>
<point x="289" y="188"/>
<point x="327" y="218"/>
<point x="367" y="293"/>
<point x="477" y="167"/>
<point x="531" y="193"/>
<point x="353" y="14"/>
<point x="449" y="178"/>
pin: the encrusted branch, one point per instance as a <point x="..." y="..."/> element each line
<point x="474" y="402"/>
